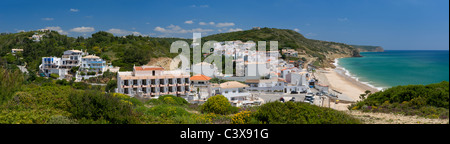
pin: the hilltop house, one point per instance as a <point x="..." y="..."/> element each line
<point x="52" y="65"/>
<point x="152" y="82"/>
<point x="92" y="63"/>
<point x="61" y="66"/>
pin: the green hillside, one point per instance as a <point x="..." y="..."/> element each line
<point x="121" y="51"/>
<point x="137" y="50"/>
<point x="325" y="51"/>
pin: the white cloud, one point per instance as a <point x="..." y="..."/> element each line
<point x="200" y="30"/>
<point x="200" y="6"/>
<point x="58" y="29"/>
<point x="147" y="23"/>
<point x="74" y="10"/>
<point x="189" y="22"/>
<point x="177" y="29"/>
<point x="82" y="29"/>
<point x="297" y="30"/>
<point x="204" y="23"/>
<point x="47" y="19"/>
<point x="19" y="31"/>
<point x="124" y="32"/>
<point x="342" y="19"/>
<point x="234" y="30"/>
<point x="225" y="24"/>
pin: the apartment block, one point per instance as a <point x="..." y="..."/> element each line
<point x="152" y="82"/>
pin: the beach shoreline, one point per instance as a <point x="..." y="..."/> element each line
<point x="348" y="86"/>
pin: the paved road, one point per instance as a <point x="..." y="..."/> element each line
<point x="298" y="97"/>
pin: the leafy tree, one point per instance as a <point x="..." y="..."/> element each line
<point x="112" y="84"/>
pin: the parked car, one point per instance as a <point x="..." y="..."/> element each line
<point x="294" y="92"/>
<point x="319" y="94"/>
<point x="309" y="98"/>
<point x="303" y="91"/>
<point x="292" y="99"/>
<point x="282" y="99"/>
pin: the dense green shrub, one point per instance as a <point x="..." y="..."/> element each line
<point x="35" y="105"/>
<point x="219" y="105"/>
<point x="409" y="100"/>
<point x="61" y="120"/>
<point x="173" y="100"/>
<point x="54" y="76"/>
<point x="96" y="105"/>
<point x="10" y="82"/>
<point x="300" y="113"/>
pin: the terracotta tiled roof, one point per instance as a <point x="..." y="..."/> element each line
<point x="200" y="77"/>
<point x="233" y="84"/>
<point x="148" y="68"/>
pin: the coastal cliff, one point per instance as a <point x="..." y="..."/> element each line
<point x="363" y="48"/>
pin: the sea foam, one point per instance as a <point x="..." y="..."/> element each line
<point x="341" y="70"/>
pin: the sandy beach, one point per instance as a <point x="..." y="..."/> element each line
<point x="349" y="87"/>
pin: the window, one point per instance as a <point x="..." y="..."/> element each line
<point x="135" y="82"/>
<point x="170" y="89"/>
<point x="153" y="81"/>
<point x="161" y="81"/>
<point x="179" y="81"/>
<point x="186" y="80"/>
<point x="125" y="90"/>
<point x="170" y="81"/>
<point x="153" y="73"/>
<point x="153" y="90"/>
<point x="161" y="90"/>
<point x="144" y="90"/>
<point x="125" y="82"/>
<point x="144" y="82"/>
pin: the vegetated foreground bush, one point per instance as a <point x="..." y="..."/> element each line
<point x="101" y="107"/>
<point x="10" y="82"/>
<point x="219" y="105"/>
<point x="430" y="101"/>
<point x="300" y="113"/>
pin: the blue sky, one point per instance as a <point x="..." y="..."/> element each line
<point x="393" y="24"/>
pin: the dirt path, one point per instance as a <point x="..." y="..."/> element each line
<point x="384" y="118"/>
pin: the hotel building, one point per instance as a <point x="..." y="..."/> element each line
<point x="152" y="82"/>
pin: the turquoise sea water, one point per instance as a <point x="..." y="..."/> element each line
<point x="395" y="67"/>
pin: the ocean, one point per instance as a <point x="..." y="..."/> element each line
<point x="397" y="67"/>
